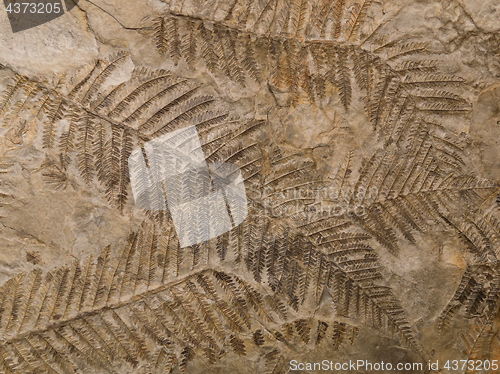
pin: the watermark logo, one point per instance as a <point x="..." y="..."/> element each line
<point x="204" y="200"/>
<point x="25" y="15"/>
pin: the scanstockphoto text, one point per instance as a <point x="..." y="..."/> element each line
<point x="356" y="365"/>
<point x="312" y="202"/>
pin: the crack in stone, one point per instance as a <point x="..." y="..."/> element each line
<point x="113" y="17"/>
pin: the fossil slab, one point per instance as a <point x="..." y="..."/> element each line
<point x="338" y="168"/>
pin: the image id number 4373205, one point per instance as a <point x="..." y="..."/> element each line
<point x="24" y="15"/>
<point x="34" y="8"/>
<point x="473" y="365"/>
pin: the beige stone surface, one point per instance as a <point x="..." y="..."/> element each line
<point x="368" y="137"/>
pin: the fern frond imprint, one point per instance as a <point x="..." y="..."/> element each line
<point x="100" y="313"/>
<point x="113" y="310"/>
<point x="156" y="304"/>
<point x="103" y="125"/>
<point x="386" y="77"/>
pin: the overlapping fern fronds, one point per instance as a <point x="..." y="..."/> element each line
<point x="154" y="305"/>
<point x="106" y="312"/>
<point x="97" y="126"/>
<point x="393" y="80"/>
<point x="135" y="308"/>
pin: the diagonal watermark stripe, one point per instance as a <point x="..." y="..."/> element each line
<point x="170" y="172"/>
<point x="25" y="14"/>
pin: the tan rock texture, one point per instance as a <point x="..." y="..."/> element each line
<point x="367" y="134"/>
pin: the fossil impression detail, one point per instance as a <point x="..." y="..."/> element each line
<point x="307" y="176"/>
